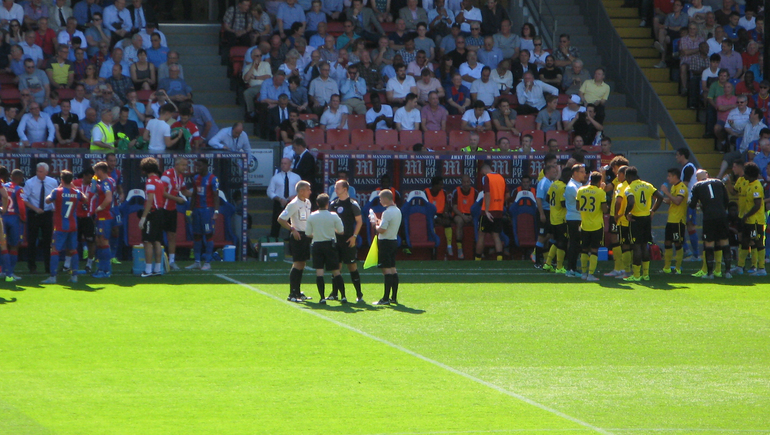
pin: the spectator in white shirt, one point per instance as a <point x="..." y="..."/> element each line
<point x="572" y="109"/>
<point x="335" y="116"/>
<point x="738" y="118"/>
<point x="531" y="94"/>
<point x="471" y="70"/>
<point x="400" y="86"/>
<point x="477" y="119"/>
<point x="408" y="117"/>
<point x="158" y="132"/>
<point x="485" y="89"/>
<point x="379" y="116"/>
<point x="36" y="127"/>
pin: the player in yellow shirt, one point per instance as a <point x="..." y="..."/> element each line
<point x="643" y="200"/>
<point x="558" y="222"/>
<point x="613" y="240"/>
<point x="676" y="197"/>
<point x="753" y="221"/>
<point x="624" y="233"/>
<point x="592" y="204"/>
<point x="738" y="188"/>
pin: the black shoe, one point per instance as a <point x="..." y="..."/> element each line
<point x="322" y="302"/>
<point x="344" y="300"/>
<point x="360" y="299"/>
<point x="382" y="302"/>
<point x="393" y="302"/>
<point x="302" y="297"/>
<point x="538" y="266"/>
<point x="331" y="298"/>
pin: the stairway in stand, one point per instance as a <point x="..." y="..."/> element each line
<point x="639" y="41"/>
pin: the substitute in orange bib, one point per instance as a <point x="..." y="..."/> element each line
<point x="443" y="217"/>
<point x="462" y="201"/>
<point x="491" y="211"/>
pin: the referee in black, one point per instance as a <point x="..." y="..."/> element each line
<point x="387" y="245"/>
<point x="324" y="227"/>
<point x="713" y="198"/>
<point x="349" y="211"/>
<point x="294" y="218"/>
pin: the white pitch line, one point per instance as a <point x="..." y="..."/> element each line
<point x="425" y="358"/>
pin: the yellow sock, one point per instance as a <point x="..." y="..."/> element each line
<point x="593" y="261"/>
<point x="645" y="268"/>
<point x="459" y="247"/>
<point x="499" y="258"/>
<point x="679" y="257"/>
<point x="628" y="258"/>
<point x="705" y="267"/>
<point x="718" y="261"/>
<point x="742" y="255"/>
<point x="584" y="262"/>
<point x="618" y="256"/>
<point x="760" y="259"/>
<point x="448" y="235"/>
<point x="551" y="255"/>
<point x="667" y="258"/>
<point x="560" y="258"/>
<point x="755" y="258"/>
<point x="637" y="271"/>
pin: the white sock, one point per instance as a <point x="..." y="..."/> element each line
<point x="90" y="262"/>
<point x="147" y="268"/>
<point x="171" y="258"/>
<point x="67" y="261"/>
<point x="156" y="268"/>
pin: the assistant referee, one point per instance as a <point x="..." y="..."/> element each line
<point x="349" y="211"/>
<point x="387" y="245"/>
<point x="323" y="227"/>
<point x="297" y="212"/>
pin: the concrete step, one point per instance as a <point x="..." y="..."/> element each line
<point x="204" y="70"/>
<point x="674" y="101"/>
<point x="664" y="88"/>
<point x="196" y="49"/>
<point x="634" y="143"/>
<point x="638" y="42"/>
<point x="709" y="160"/>
<point x="620" y="129"/>
<point x="682" y="116"/>
<point x="612" y="3"/>
<point x="656" y="74"/>
<point x="182" y="39"/>
<point x="692" y="130"/>
<point x="621" y="23"/>
<point x="222" y="111"/>
<point x="203" y="60"/>
<point x="210" y="83"/>
<point x="700" y="144"/>
<point x="618" y="12"/>
<point x="621" y="114"/>
<point x="574" y="26"/>
<point x="213" y="98"/>
<point x="176" y="28"/>
<point x="566" y="11"/>
<point x="645" y="53"/>
<point x="616" y="100"/>
<point x="634" y="32"/>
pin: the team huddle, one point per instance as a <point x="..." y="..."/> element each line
<point x="572" y="205"/>
<point x="83" y="214"/>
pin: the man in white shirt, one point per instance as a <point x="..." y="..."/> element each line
<point x="531" y="94"/>
<point x="232" y="139"/>
<point x="281" y="190"/>
<point x="485" y="89"/>
<point x="400" y="86"/>
<point x="471" y="70"/>
<point x="79" y="104"/>
<point x="147" y="33"/>
<point x="158" y="132"/>
<point x="468" y="15"/>
<point x="335" y="116"/>
<point x="117" y="19"/>
<point x="36" y="127"/>
<point x="322" y="88"/>
<point x="10" y="11"/>
<point x="738" y="118"/>
<point x="572" y="109"/>
<point x="408" y="117"/>
<point x="379" y="116"/>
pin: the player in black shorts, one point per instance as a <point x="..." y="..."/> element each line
<point x="151" y="222"/>
<point x="294" y="218"/>
<point x="323" y="227"/>
<point x="712" y="196"/>
<point x="350" y="212"/>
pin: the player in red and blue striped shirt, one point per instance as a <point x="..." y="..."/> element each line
<point x="151" y="223"/>
<point x="13" y="220"/>
<point x="66" y="200"/>
<point x="103" y="187"/>
<point x="205" y="209"/>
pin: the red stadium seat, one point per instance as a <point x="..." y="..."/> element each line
<point x="458" y="139"/>
<point x="144" y="95"/>
<point x="454" y="122"/>
<point x="525" y="230"/>
<point x="314" y="137"/>
<point x="220" y="239"/>
<point x="237" y="55"/>
<point x="435" y="139"/>
<point x="7" y="79"/>
<point x="337" y="136"/>
<point x="356" y="122"/>
<point x="538" y="139"/>
<point x="512" y="99"/>
<point x="563" y="101"/>
<point x="386" y="137"/>
<point x="307" y="116"/>
<point x="336" y="28"/>
<point x="371" y="147"/>
<point x="66" y="93"/>
<point x="561" y="136"/>
<point x="344" y="147"/>
<point x="10" y="95"/>
<point x="487" y="140"/>
<point x="361" y="137"/>
<point x="525" y="122"/>
<point x="441" y="149"/>
<point x="393" y="148"/>
<point x="410" y="137"/>
<point x="134" y="235"/>
<point x="389" y="27"/>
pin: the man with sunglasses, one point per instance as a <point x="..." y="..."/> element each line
<point x="36" y="81"/>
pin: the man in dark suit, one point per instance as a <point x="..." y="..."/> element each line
<point x="518" y="68"/>
<point x="277" y="115"/>
<point x="140" y="16"/>
<point x="304" y="163"/>
<point x="367" y="25"/>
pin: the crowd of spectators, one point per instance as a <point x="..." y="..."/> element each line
<point x="408" y="65"/>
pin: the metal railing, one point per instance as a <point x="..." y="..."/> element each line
<point x="628" y="75"/>
<point x="544" y="19"/>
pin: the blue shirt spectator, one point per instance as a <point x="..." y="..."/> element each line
<point x="157" y="56"/>
<point x="491" y="57"/>
<point x="106" y="70"/>
<point x="81" y="11"/>
<point x="350" y="89"/>
<point x="268" y="91"/>
<point x="312" y="19"/>
<point x="332" y="6"/>
<point x="290" y="14"/>
<point x="116" y="20"/>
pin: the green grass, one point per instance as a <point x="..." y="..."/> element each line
<point x="192" y="353"/>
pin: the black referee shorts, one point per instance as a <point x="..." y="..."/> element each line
<point x="387" y="253"/>
<point x="675" y="232"/>
<point x="715" y="230"/>
<point x="591" y="240"/>
<point x="325" y="255"/>
<point x="641" y="230"/>
<point x="300" y="249"/>
<point x="169" y="221"/>
<point x="86" y="229"/>
<point x="346" y="254"/>
<point x="152" y="231"/>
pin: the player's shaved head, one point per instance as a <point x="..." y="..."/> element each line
<point x="701" y="174"/>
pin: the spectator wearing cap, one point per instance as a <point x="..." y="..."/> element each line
<point x="573" y="108"/>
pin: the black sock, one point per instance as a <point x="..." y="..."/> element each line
<point x="295" y="281"/>
<point x="710" y="259"/>
<point x="319" y="282"/>
<point x="388" y="285"/>
<point x="339" y="284"/>
<point x="394" y="283"/>
<point x="727" y="256"/>
<point x="356" y="278"/>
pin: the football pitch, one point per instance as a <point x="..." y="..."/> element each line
<point x="473" y="348"/>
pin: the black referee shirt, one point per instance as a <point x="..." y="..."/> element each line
<point x="347" y="210"/>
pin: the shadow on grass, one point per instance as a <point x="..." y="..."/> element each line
<point x="357" y="308"/>
<point x="4" y="301"/>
